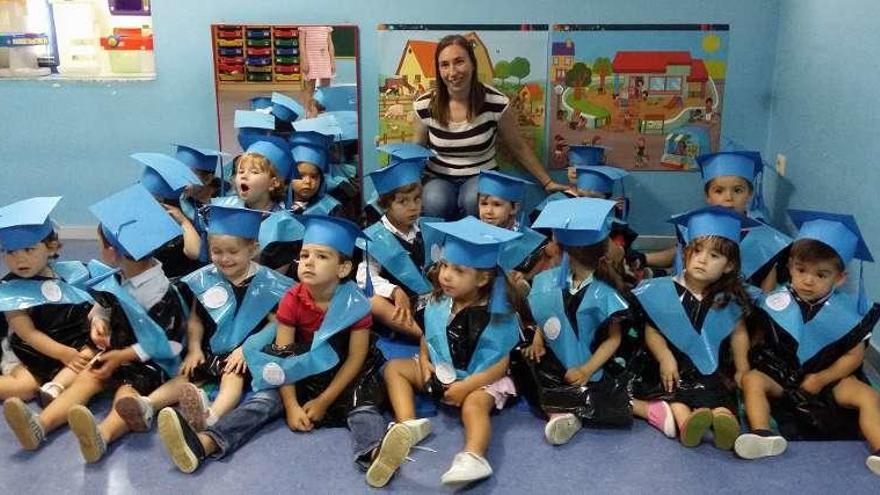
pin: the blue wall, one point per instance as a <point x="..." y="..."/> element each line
<point x="73" y="138"/>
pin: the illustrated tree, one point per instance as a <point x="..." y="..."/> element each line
<point x="602" y="68"/>
<point x="520" y="68"/>
<point x="502" y="70"/>
<point x="578" y="77"/>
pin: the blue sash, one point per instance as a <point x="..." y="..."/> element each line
<point x="599" y="303"/>
<point x="495" y="343"/>
<point x="280" y="226"/>
<point x="515" y="252"/>
<point x="148" y="333"/>
<point x="20" y="294"/>
<point x="348" y="306"/>
<point x="838" y="316"/>
<point x="385" y="248"/>
<point x="660" y="300"/>
<point x="216" y="295"/>
<point x="759" y="246"/>
<point x="323" y="206"/>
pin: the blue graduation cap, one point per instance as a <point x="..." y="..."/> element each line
<point x="165" y="176"/>
<point x="399" y="152"/>
<point x="508" y="187"/>
<point x="745" y="164"/>
<point x="598" y="178"/>
<point x="713" y="221"/>
<point x="199" y="158"/>
<point x="577" y="221"/>
<point x="252" y="126"/>
<point x="347" y="120"/>
<point x="338" y="233"/>
<point x="261" y="102"/>
<point x="470" y="242"/>
<point x="584" y="154"/>
<point x="396" y="175"/>
<point x="234" y="221"/>
<point x="340" y="97"/>
<point x="312" y="140"/>
<point x="840" y="232"/>
<point x="286" y="108"/>
<point x="277" y="151"/>
<point x="134" y="223"/>
<point x="25" y="223"/>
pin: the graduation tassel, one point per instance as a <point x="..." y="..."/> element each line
<point x="290" y="196"/>
<point x="368" y="284"/>
<point x="222" y="175"/>
<point x="863" y="296"/>
<point x="562" y="276"/>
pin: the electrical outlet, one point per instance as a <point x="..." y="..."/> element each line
<point x="781" y="162"/>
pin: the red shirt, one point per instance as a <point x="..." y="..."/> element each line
<point x="297" y="309"/>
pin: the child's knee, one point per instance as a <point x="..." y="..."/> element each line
<point x="753" y="381"/>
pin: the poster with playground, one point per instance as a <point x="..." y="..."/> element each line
<point x="511" y="58"/>
<point x="652" y="94"/>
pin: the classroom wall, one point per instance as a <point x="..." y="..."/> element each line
<point x="74" y="138"/>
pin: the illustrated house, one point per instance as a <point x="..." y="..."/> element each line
<point x="563" y="59"/>
<point x="660" y="73"/>
<point x="532" y="96"/>
<point x="416" y="65"/>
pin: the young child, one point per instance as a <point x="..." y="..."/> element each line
<point x="808" y="364"/>
<point x="694" y="329"/>
<point x="311" y="152"/>
<point x="166" y="178"/>
<point x="205" y="163"/>
<point x="262" y="173"/>
<point x="470" y="328"/>
<point x="319" y="368"/>
<point x="138" y="322"/>
<point x="233" y="298"/>
<point x="43" y="302"/>
<point x="578" y="308"/>
<point x="396" y="264"/>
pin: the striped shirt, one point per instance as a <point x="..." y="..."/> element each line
<point x="463" y="148"/>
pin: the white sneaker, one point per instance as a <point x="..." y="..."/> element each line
<point x="419" y="428"/>
<point x="136" y="411"/>
<point x="754" y="446"/>
<point x="467" y="467"/>
<point x="23" y="423"/>
<point x="873" y="463"/>
<point x="194" y="406"/>
<point x="561" y="428"/>
<point x="85" y="428"/>
<point x="392" y="452"/>
<point x="49" y="392"/>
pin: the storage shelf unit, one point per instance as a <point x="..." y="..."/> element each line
<point x="256" y="54"/>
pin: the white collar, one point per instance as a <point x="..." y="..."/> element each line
<point x="407" y="236"/>
<point x="585" y="282"/>
<point x="146" y="275"/>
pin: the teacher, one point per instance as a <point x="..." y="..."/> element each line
<point x="460" y="120"/>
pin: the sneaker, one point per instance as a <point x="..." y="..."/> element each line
<point x="873" y="463"/>
<point x="49" y="392"/>
<point x="24" y="423"/>
<point x="393" y="451"/>
<point x="136" y="411"/>
<point x="419" y="428"/>
<point x="180" y="440"/>
<point x="761" y="443"/>
<point x="83" y="425"/>
<point x="660" y="417"/>
<point x="695" y="427"/>
<point x="194" y="406"/>
<point x="725" y="429"/>
<point x="467" y="467"/>
<point x="561" y="428"/>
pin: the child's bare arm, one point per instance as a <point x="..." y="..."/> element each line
<point x="660" y="350"/>
<point x="358" y="347"/>
<point x="23" y="326"/>
<point x="844" y="366"/>
<point x="488" y="376"/>
<point x="195" y="331"/>
<point x="604" y="352"/>
<point x="284" y="335"/>
<point x="739" y="345"/>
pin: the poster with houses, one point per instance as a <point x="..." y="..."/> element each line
<point x="510" y="58"/>
<point x="653" y="95"/>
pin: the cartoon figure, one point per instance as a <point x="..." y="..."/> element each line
<point x="709" y="112"/>
<point x="559" y="146"/>
<point x="641" y="157"/>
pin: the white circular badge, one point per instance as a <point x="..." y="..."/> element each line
<point x="552" y="328"/>
<point x="215" y="297"/>
<point x="51" y="290"/>
<point x="778" y="301"/>
<point x="273" y="374"/>
<point x="445" y="373"/>
<point x="436" y="253"/>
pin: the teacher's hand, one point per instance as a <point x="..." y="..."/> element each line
<point x="552" y="187"/>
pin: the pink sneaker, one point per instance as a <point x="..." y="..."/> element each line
<point x="660" y="417"/>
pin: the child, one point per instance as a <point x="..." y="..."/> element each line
<point x="319" y="368"/>
<point x="204" y="163"/>
<point x="233" y="298"/>
<point x="318" y="61"/>
<point x="808" y="365"/>
<point x="262" y="173"/>
<point x="166" y="178"/>
<point x="43" y="303"/>
<point x="311" y="152"/>
<point x="694" y="326"/>
<point x="469" y="330"/>
<point x="137" y="323"/>
<point x="578" y="308"/>
<point x="396" y="265"/>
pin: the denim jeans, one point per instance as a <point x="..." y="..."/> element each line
<point x="366" y="424"/>
<point x="450" y="199"/>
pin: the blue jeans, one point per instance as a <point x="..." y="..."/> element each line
<point x="450" y="199"/>
<point x="366" y="424"/>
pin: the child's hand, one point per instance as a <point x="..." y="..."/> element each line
<point x="536" y="350"/>
<point x="455" y="394"/>
<point x="426" y="368"/>
<point x="576" y="376"/>
<point x="298" y="420"/>
<point x="175" y="213"/>
<point x="235" y="362"/>
<point x="811" y="384"/>
<point x="100" y="333"/>
<point x="669" y="374"/>
<point x="402" y="308"/>
<point x="315" y="409"/>
<point x="193" y="359"/>
<point x="76" y="360"/>
<point x="107" y="364"/>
